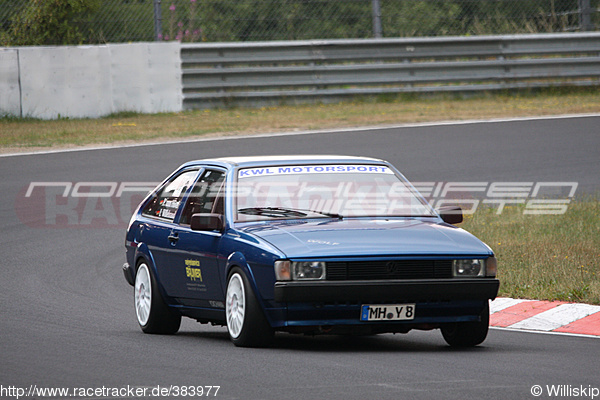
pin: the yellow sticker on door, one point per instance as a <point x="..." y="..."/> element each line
<point x="195" y="274"/>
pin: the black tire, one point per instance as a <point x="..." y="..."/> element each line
<point x="153" y="314"/>
<point x="246" y="323"/>
<point x="467" y="334"/>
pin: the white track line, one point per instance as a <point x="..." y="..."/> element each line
<point x="499" y="328"/>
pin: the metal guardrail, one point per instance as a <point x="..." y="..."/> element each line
<point x="265" y="73"/>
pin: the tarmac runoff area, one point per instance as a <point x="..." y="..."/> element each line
<point x="545" y="316"/>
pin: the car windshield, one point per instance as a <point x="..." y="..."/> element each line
<point x="325" y="191"/>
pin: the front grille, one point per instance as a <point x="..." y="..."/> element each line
<point x="396" y="269"/>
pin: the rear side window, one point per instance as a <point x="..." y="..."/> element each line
<point x="206" y="196"/>
<point x="165" y="203"/>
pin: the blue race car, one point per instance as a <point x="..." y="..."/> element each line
<point x="304" y="244"/>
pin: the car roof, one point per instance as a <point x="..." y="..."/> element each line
<point x="253" y="161"/>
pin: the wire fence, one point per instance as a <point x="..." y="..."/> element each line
<point x="115" y="21"/>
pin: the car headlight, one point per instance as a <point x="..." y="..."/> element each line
<point x="299" y="270"/>
<point x="468" y="268"/>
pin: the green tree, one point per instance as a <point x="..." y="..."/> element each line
<point x="52" y="22"/>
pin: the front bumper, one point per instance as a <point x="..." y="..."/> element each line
<point x="308" y="317"/>
<point x="388" y="290"/>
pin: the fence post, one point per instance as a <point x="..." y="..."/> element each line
<point x="157" y="21"/>
<point x="376" y="7"/>
<point x="585" y="19"/>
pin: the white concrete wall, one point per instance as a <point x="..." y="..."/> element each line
<point x="10" y="94"/>
<point x="90" y="81"/>
<point x="148" y="76"/>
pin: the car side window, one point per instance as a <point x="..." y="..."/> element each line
<point x="206" y="196"/>
<point x="165" y="203"/>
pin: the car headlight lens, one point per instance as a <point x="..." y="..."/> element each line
<point x="310" y="270"/>
<point x="468" y="268"/>
<point x="299" y="270"/>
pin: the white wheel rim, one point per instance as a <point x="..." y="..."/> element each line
<point x="235" y="308"/>
<point x="143" y="294"/>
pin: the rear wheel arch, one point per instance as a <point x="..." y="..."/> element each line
<point x="143" y="254"/>
<point x="149" y="261"/>
<point x="141" y="259"/>
<point x="153" y="313"/>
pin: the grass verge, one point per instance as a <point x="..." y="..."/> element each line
<point x="546" y="257"/>
<point x="29" y="134"/>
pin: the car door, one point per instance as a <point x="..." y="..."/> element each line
<point x="159" y="226"/>
<point x="195" y="255"/>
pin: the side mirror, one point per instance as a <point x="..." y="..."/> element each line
<point x="451" y="214"/>
<point x="206" y="222"/>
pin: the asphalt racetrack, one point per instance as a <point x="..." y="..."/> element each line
<point x="67" y="318"/>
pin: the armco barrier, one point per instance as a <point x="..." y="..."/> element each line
<point x="92" y="81"/>
<point x="265" y="73"/>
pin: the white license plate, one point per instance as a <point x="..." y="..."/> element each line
<point x="387" y="312"/>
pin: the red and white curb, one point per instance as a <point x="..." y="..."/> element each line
<point x="545" y="316"/>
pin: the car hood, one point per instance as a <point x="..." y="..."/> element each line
<point x="359" y="237"/>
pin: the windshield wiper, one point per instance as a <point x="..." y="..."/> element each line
<point x="276" y="212"/>
<point x="273" y="212"/>
<point x="327" y="214"/>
